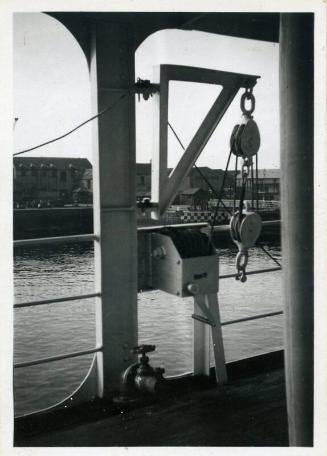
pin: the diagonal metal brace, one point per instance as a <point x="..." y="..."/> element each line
<point x="208" y="317"/>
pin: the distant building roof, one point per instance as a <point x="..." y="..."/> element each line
<point x="58" y="162"/>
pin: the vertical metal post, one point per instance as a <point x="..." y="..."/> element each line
<point x="296" y="98"/>
<point x="159" y="160"/>
<point x="201" y="340"/>
<point x="217" y="339"/>
<point x="207" y="305"/>
<point x="112" y="75"/>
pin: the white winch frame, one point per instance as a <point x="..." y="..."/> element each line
<point x="164" y="188"/>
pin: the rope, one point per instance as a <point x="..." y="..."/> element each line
<point x="201" y="174"/>
<point x="221" y="192"/>
<point x="108" y="108"/>
<point x="235" y="178"/>
<point x="212" y="188"/>
<point x="252" y="187"/>
<point x="257" y="180"/>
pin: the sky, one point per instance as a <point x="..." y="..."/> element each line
<point x="52" y="90"/>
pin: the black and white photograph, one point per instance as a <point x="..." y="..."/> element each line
<point x="163" y="205"/>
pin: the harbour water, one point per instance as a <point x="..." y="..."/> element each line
<point x="163" y="320"/>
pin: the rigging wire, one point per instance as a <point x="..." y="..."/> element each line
<point x="219" y="199"/>
<point x="257" y="180"/>
<point x="252" y="187"/>
<point x="270" y="256"/>
<point x="107" y="109"/>
<point x="235" y="183"/>
<point x="212" y="188"/>
<point x="199" y="171"/>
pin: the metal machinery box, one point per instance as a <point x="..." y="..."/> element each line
<point x="176" y="271"/>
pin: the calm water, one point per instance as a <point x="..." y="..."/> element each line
<point x="164" y="320"/>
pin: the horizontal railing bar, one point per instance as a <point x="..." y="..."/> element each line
<point x="56" y="240"/>
<point x="258" y="271"/>
<point x="224" y="228"/>
<point x="118" y="209"/>
<point x="254" y="317"/>
<point x="54" y="300"/>
<point x="216" y="228"/>
<point x="270" y="222"/>
<point x="95" y="295"/>
<point x="176" y="225"/>
<point x="93" y="237"/>
<point x="57" y="358"/>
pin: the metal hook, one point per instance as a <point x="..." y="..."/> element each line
<point x="241" y="263"/>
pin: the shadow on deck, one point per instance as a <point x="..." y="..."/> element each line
<point x="249" y="411"/>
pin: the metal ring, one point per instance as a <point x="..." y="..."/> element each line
<point x="247" y="96"/>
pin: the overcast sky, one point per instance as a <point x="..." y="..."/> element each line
<point x="52" y="92"/>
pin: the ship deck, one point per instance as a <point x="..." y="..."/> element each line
<point x="248" y="411"/>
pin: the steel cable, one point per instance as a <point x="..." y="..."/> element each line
<point x="108" y="108"/>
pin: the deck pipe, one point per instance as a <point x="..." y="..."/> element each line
<point x="296" y="122"/>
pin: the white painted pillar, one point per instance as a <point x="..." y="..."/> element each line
<point x="112" y="75"/>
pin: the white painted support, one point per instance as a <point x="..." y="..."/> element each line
<point x="159" y="158"/>
<point x="201" y="340"/>
<point x="217" y="339"/>
<point x="195" y="147"/>
<point x="207" y="306"/>
<point x="112" y="66"/>
<point x="164" y="188"/>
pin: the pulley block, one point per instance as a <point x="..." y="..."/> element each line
<point x="245" y="138"/>
<point x="245" y="229"/>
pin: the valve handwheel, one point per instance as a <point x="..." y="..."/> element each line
<point x="144" y="348"/>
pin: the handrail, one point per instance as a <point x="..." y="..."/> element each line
<point x="257" y="271"/>
<point x="253" y="317"/>
<point x="175" y="225"/>
<point x="97" y="349"/>
<point x="55" y="300"/>
<point x="226" y="228"/>
<point x="58" y="357"/>
<point x="94" y="237"/>
<point x="96" y="295"/>
<point x="56" y="240"/>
